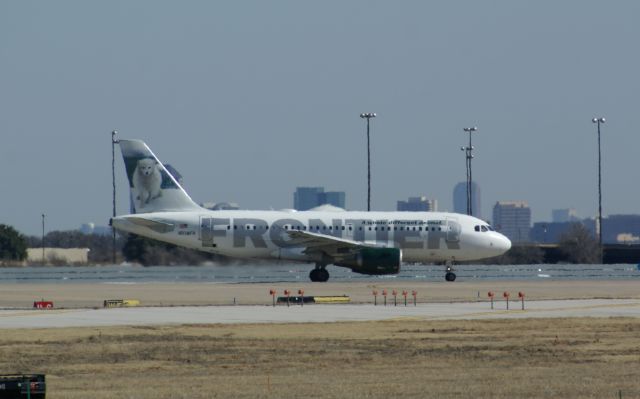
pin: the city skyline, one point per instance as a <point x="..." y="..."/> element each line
<point x="251" y="100"/>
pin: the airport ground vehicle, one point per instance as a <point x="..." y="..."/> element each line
<point x="14" y="386"/>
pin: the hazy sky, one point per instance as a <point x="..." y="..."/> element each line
<point x="249" y="99"/>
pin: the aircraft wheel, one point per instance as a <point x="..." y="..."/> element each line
<point x="450" y="276"/>
<point x="314" y="275"/>
<point x="324" y="275"/>
<point x="319" y="275"/>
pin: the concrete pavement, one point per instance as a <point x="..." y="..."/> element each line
<point x="21" y="318"/>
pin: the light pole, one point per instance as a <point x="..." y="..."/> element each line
<point x="466" y="161"/>
<point x="599" y="121"/>
<point x="468" y="156"/>
<point x="114" y="141"/>
<point x="368" y="116"/>
<point x="43" y="259"/>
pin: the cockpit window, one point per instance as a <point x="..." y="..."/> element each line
<point x="477" y="228"/>
<point x="490" y="228"/>
<point x="484" y="228"/>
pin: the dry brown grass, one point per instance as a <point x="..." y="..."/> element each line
<point x="547" y="358"/>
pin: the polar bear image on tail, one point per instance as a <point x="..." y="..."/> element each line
<point x="147" y="181"/>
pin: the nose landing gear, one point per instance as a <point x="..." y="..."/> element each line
<point x="450" y="275"/>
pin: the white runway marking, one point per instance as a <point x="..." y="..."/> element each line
<point x="314" y="313"/>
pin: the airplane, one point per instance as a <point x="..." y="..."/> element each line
<point x="372" y="243"/>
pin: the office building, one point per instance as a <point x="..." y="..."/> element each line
<point x="620" y="228"/>
<point x="564" y="215"/>
<point x="418" y="204"/>
<point x="306" y="198"/>
<point x="513" y="219"/>
<point x="460" y="199"/>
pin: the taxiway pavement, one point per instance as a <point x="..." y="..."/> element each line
<point x="314" y="313"/>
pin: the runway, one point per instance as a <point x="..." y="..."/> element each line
<point x="314" y="313"/>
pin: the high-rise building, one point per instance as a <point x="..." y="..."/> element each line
<point x="460" y="199"/>
<point x="418" y="204"/>
<point x="306" y="198"/>
<point x="513" y="219"/>
<point x="564" y="215"/>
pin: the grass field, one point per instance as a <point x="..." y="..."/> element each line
<point x="543" y="358"/>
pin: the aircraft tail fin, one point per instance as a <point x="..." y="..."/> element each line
<point x="152" y="187"/>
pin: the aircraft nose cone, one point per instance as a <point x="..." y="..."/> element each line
<point x="499" y="244"/>
<point x="503" y="243"/>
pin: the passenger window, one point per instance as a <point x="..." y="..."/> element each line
<point x="228" y="227"/>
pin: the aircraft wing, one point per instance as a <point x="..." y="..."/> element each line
<point x="332" y="246"/>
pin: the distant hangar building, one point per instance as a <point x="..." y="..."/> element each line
<point x="305" y="198"/>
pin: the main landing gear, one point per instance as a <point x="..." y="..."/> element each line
<point x="450" y="275"/>
<point x="319" y="274"/>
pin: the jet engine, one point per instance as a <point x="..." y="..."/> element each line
<point x="374" y="261"/>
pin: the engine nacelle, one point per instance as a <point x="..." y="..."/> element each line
<point x="375" y="261"/>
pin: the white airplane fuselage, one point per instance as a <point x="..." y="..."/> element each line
<point x="422" y="236"/>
